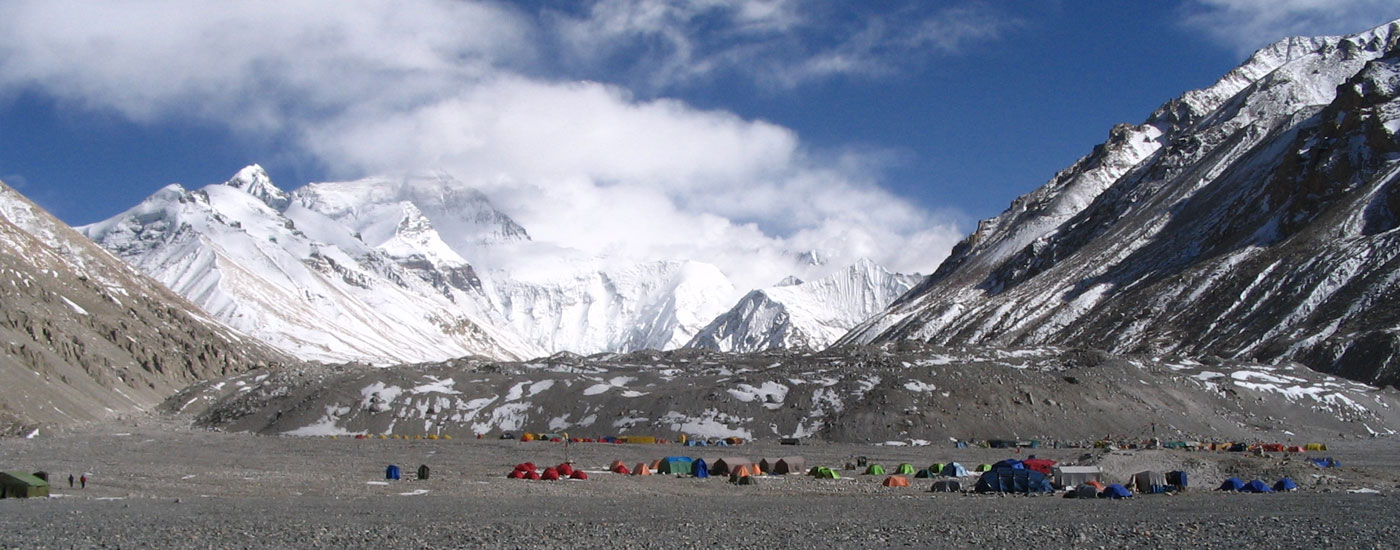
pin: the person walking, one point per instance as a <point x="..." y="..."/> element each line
<point x="70" y="481"/>
<point x="83" y="480"/>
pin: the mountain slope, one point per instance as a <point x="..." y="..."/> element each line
<point x="1253" y="219"/>
<point x="84" y="337"/>
<point x="804" y="315"/>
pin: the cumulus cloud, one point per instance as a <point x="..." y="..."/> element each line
<point x="484" y="91"/>
<point x="1247" y="25"/>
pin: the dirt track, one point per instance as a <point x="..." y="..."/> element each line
<point x="168" y="487"/>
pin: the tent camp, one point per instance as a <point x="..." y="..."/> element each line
<point x="1232" y="484"/>
<point x="22" y="485"/>
<point x="895" y="481"/>
<point x="1013" y="480"/>
<point x="727" y="464"/>
<point x="874" y="470"/>
<point x="905" y="469"/>
<point x="946" y="486"/>
<point x="953" y="469"/>
<point x="675" y="465"/>
<point x="1069" y="476"/>
<point x="699" y="468"/>
<point x="1149" y="482"/>
<point x="790" y="465"/>
<point x="1285" y="484"/>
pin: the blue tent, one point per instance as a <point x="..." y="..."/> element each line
<point x="961" y="445"/>
<point x="1257" y="486"/>
<point x="1009" y="463"/>
<point x="1232" y="484"/>
<point x="721" y="443"/>
<point x="1325" y="462"/>
<point x="953" y="469"/>
<point x="696" y="443"/>
<point x="1115" y="491"/>
<point x="1285" y="484"/>
<point x="1012" y="480"/>
<point x="392" y="472"/>
<point x="699" y="469"/>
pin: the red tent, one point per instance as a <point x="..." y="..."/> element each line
<point x="1042" y="465"/>
<point x="550" y="474"/>
<point x="565" y="469"/>
<point x="533" y="476"/>
<point x="578" y="474"/>
<point x="621" y="469"/>
<point x="517" y="474"/>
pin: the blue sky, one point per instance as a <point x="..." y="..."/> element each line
<point x="776" y="123"/>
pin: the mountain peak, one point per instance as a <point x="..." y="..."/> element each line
<point x="253" y="179"/>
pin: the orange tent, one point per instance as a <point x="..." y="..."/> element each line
<point x="641" y="469"/>
<point x="615" y="464"/>
<point x="527" y="437"/>
<point x="619" y="468"/>
<point x="895" y="481"/>
<point x="1096" y="485"/>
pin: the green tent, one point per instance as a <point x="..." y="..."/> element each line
<point x="823" y="472"/>
<point x="22" y="485"/>
<point x="905" y="469"/>
<point x="935" y="468"/>
<point x="875" y="470"/>
<point x="983" y="468"/>
<point x="675" y="465"/>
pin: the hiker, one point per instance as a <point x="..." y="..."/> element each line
<point x="83" y="480"/>
<point x="70" y="481"/>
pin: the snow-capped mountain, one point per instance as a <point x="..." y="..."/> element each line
<point x="804" y="315"/>
<point x="260" y="260"/>
<point x="374" y="270"/>
<point x="1252" y="219"/>
<point x="90" y="338"/>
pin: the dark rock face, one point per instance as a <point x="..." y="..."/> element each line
<point x="1253" y="220"/>
<point x="84" y="337"/>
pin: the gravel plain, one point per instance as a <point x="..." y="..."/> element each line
<point x="155" y="483"/>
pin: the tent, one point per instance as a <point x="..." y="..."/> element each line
<point x="675" y="465"/>
<point x="895" y="481"/>
<point x="699" y="469"/>
<point x="946" y="486"/>
<point x="743" y="480"/>
<point x="1232" y="484"/>
<point x="747" y="470"/>
<point x="905" y="469"/>
<point x="1150" y="482"/>
<point x="578" y="474"/>
<point x="1325" y="462"/>
<point x="1013" y="480"/>
<point x="516" y="474"/>
<point x="565" y="469"/>
<point x="22" y="485"/>
<point x="696" y="443"/>
<point x="620" y="468"/>
<point x="1177" y="480"/>
<point x="1256" y="486"/>
<point x="641" y="469"/>
<point x="790" y="465"/>
<point x="1285" y="484"/>
<point x="953" y="469"/>
<point x="533" y="476"/>
<point x="1009" y="463"/>
<point x="527" y="437"/>
<point x="822" y="472"/>
<point x="615" y="464"/>
<point x="1082" y="491"/>
<point x="1069" y="476"/>
<point x="423" y="471"/>
<point x="1096" y="484"/>
<point x="983" y="468"/>
<point x="767" y="464"/>
<point x="1115" y="492"/>
<point x="874" y="470"/>
<point x="1315" y="447"/>
<point x="550" y="474"/>
<point x="1041" y="465"/>
<point x="392" y="472"/>
<point x="725" y="465"/>
<point x="923" y="474"/>
<point x="935" y="468"/>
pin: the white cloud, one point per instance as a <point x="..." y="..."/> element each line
<point x="1247" y="25"/>
<point x="454" y="85"/>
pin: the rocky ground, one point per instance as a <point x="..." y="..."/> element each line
<point x="155" y="483"/>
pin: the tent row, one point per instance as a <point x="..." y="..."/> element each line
<point x="1238" y="485"/>
<point x="528" y="470"/>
